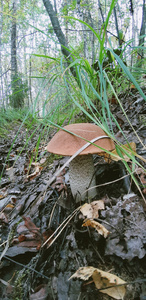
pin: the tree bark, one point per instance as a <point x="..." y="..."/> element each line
<point x="91" y="22"/>
<point x="81" y="17"/>
<point x="140" y="55"/>
<point x="1" y="27"/>
<point x="117" y="28"/>
<point x="13" y="43"/>
<point x="142" y="30"/>
<point x="59" y="33"/>
<point x="100" y="8"/>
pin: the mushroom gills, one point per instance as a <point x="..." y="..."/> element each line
<point x="82" y="177"/>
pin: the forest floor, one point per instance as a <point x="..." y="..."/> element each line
<point x="32" y="212"/>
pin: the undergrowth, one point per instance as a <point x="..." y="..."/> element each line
<point x="85" y="98"/>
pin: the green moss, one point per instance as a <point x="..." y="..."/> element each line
<point x="50" y="159"/>
<point x="18" y="286"/>
<point x="3" y="133"/>
<point x="142" y="119"/>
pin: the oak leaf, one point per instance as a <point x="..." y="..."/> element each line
<point x="99" y="227"/>
<point x="106" y="282"/>
<point x="90" y="210"/>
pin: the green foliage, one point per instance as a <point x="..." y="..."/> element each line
<point x="63" y="100"/>
<point x="11" y="117"/>
<point x="18" y="286"/>
<point x="19" y="92"/>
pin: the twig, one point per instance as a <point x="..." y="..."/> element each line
<point x="66" y="221"/>
<point x="24" y="266"/>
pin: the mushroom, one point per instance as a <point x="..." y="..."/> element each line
<point x="81" y="168"/>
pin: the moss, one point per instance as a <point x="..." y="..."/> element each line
<point x="18" y="286"/>
<point x="50" y="159"/>
<point x="142" y="119"/>
<point x="3" y="133"/>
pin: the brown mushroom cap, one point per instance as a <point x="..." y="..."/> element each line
<point x="66" y="144"/>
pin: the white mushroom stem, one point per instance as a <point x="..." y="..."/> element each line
<point x="82" y="177"/>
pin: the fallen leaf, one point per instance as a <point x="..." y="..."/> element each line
<point x="59" y="183"/>
<point x="36" y="172"/>
<point x="83" y="273"/>
<point x="91" y="210"/>
<point x="46" y="235"/>
<point x="42" y="161"/>
<point x="30" y="236"/>
<point x="8" y="208"/>
<point x="99" y="227"/>
<point x="30" y="225"/>
<point x="40" y="293"/>
<point x="22" y="228"/>
<point x="15" y="250"/>
<point x="21" y="238"/>
<point x="127" y="147"/>
<point x="3" y="218"/>
<point x="102" y="280"/>
<point x="29" y="244"/>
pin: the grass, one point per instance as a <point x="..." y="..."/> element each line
<point x="66" y="101"/>
<point x="11" y="117"/>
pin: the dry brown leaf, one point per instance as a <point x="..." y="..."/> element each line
<point x="99" y="227"/>
<point x="30" y="225"/>
<point x="42" y="161"/>
<point x="83" y="273"/>
<point x="29" y="244"/>
<point x="91" y="210"/>
<point x="40" y="293"/>
<point x="22" y="229"/>
<point x="127" y="147"/>
<point x="4" y="218"/>
<point x="21" y="238"/>
<point x="37" y="171"/>
<point x="30" y="236"/>
<point x="102" y="280"/>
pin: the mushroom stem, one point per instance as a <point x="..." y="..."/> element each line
<point x="81" y="171"/>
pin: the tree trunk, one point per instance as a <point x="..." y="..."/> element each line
<point x="19" y="90"/>
<point x="91" y="22"/>
<point x="81" y="17"/>
<point x="59" y="33"/>
<point x="30" y="91"/>
<point x="100" y="8"/>
<point x="1" y="89"/>
<point x="142" y="30"/>
<point x="140" y="55"/>
<point x="13" y="44"/>
<point x="117" y="28"/>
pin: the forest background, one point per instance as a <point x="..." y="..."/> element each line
<point x="65" y="62"/>
<point x="40" y="41"/>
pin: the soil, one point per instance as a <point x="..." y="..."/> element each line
<point x="33" y="211"/>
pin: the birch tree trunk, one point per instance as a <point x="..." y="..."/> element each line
<point x="19" y="90"/>
<point x="91" y="34"/>
<point x="1" y="83"/>
<point x="142" y="30"/>
<point x="13" y="43"/>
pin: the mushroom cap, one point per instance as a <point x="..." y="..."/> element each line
<point x="67" y="144"/>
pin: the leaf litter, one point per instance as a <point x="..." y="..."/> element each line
<point x="32" y="215"/>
